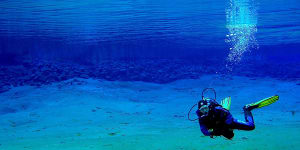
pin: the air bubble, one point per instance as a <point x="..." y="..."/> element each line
<point x="241" y="24"/>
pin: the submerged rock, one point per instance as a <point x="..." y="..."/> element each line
<point x="7" y="110"/>
<point x="38" y="73"/>
<point x="4" y="89"/>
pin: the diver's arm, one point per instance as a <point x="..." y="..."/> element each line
<point x="204" y="129"/>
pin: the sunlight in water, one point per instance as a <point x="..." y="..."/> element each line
<point x="241" y="24"/>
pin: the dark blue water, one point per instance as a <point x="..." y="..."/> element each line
<point x="263" y="34"/>
<point x="142" y="25"/>
<point x="197" y="21"/>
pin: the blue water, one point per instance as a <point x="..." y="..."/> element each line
<point x="120" y="38"/>
<point x="141" y="28"/>
<point x="68" y="72"/>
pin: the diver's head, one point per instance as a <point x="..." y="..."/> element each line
<point x="203" y="107"/>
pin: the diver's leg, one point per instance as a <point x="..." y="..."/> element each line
<point x="248" y="115"/>
<point x="248" y="124"/>
<point x="228" y="134"/>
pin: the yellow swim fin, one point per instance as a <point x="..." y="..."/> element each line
<point x="226" y="102"/>
<point x="265" y="102"/>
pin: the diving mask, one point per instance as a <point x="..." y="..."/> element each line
<point x="204" y="110"/>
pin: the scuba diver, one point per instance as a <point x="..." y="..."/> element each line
<point x="216" y="120"/>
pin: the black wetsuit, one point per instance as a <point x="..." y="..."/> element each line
<point x="222" y="122"/>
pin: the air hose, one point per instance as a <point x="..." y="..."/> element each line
<point x="190" y="112"/>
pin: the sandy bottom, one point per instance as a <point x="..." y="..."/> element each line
<point x="84" y="114"/>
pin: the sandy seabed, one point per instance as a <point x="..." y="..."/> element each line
<point x="87" y="114"/>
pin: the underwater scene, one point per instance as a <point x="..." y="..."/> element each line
<point x="149" y="74"/>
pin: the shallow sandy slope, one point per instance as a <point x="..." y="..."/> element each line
<point x="92" y="114"/>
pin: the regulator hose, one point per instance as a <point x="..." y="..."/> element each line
<point x="190" y="112"/>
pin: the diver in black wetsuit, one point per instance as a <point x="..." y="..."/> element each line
<point x="214" y="120"/>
